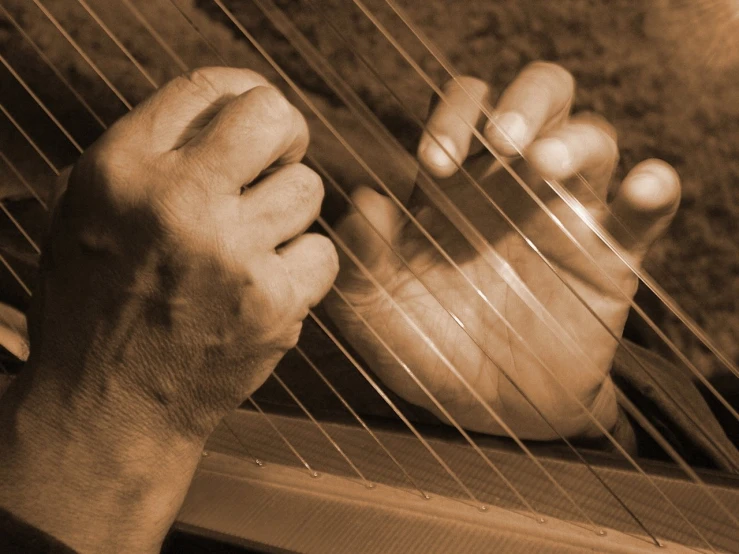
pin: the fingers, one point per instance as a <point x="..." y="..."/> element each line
<point x="585" y="145"/>
<point x="448" y="132"/>
<point x="313" y="264"/>
<point x="283" y="204"/>
<point x="645" y="204"/>
<point x="540" y="98"/>
<point x="370" y="226"/>
<point x="176" y="112"/>
<point x="253" y="131"/>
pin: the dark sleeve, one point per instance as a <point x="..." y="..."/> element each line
<point x="18" y="537"/>
<point x="672" y="403"/>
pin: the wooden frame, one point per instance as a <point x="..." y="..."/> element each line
<point x="279" y="505"/>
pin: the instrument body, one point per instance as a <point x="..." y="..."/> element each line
<point x="280" y="505"/>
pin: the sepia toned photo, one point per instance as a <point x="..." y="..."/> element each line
<point x="369" y="276"/>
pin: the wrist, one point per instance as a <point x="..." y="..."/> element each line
<point x="96" y="481"/>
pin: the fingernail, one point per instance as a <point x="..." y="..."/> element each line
<point x="511" y="127"/>
<point x="435" y="155"/>
<point x="646" y="192"/>
<point x="553" y="154"/>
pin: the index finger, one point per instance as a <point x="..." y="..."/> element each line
<point x="538" y="99"/>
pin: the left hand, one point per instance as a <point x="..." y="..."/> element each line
<point x="535" y="111"/>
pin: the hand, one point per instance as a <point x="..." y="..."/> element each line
<point x="534" y="113"/>
<point x="162" y="279"/>
<point x="176" y="276"/>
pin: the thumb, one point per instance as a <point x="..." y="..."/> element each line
<point x="644" y="205"/>
<point x="367" y="231"/>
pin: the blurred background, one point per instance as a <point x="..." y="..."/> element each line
<point x="664" y="72"/>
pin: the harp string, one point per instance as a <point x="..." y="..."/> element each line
<point x="15" y="274"/>
<point x="312" y="472"/>
<point x="82" y="53"/>
<point x="346" y="197"/>
<point x="571" y="201"/>
<point x="40" y="53"/>
<point x="40" y="104"/>
<point x="361" y="422"/>
<point x="18" y="226"/>
<point x="33" y="144"/>
<point x="140" y="68"/>
<point x="23" y="181"/>
<point x="155" y="35"/>
<point x="323" y="431"/>
<point x="257" y="461"/>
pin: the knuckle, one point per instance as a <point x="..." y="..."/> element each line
<point x="550" y="72"/>
<point x="599" y="122"/>
<point x="201" y="80"/>
<point x="307" y="187"/>
<point x="107" y="158"/>
<point x="274" y="106"/>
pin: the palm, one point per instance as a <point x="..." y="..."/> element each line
<point x="424" y="288"/>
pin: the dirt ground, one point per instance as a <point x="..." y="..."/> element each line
<point x="646" y="66"/>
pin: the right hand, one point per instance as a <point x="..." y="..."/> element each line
<point x="462" y="330"/>
<point x="167" y="295"/>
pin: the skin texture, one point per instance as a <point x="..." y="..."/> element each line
<point x="508" y="374"/>
<point x="166" y="297"/>
<point x="177" y="274"/>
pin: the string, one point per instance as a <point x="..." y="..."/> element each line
<point x="33" y="144"/>
<point x="356" y="416"/>
<point x="322" y="430"/>
<point x="41" y="105"/>
<point x="19" y="227"/>
<point x="155" y="35"/>
<point x="568" y="198"/>
<point x="141" y="69"/>
<point x="257" y="461"/>
<point x="14" y="274"/>
<point x="82" y="53"/>
<point x="40" y="53"/>
<point x="23" y="180"/>
<point x="312" y="472"/>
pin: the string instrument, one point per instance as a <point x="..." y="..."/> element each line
<point x="325" y="457"/>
